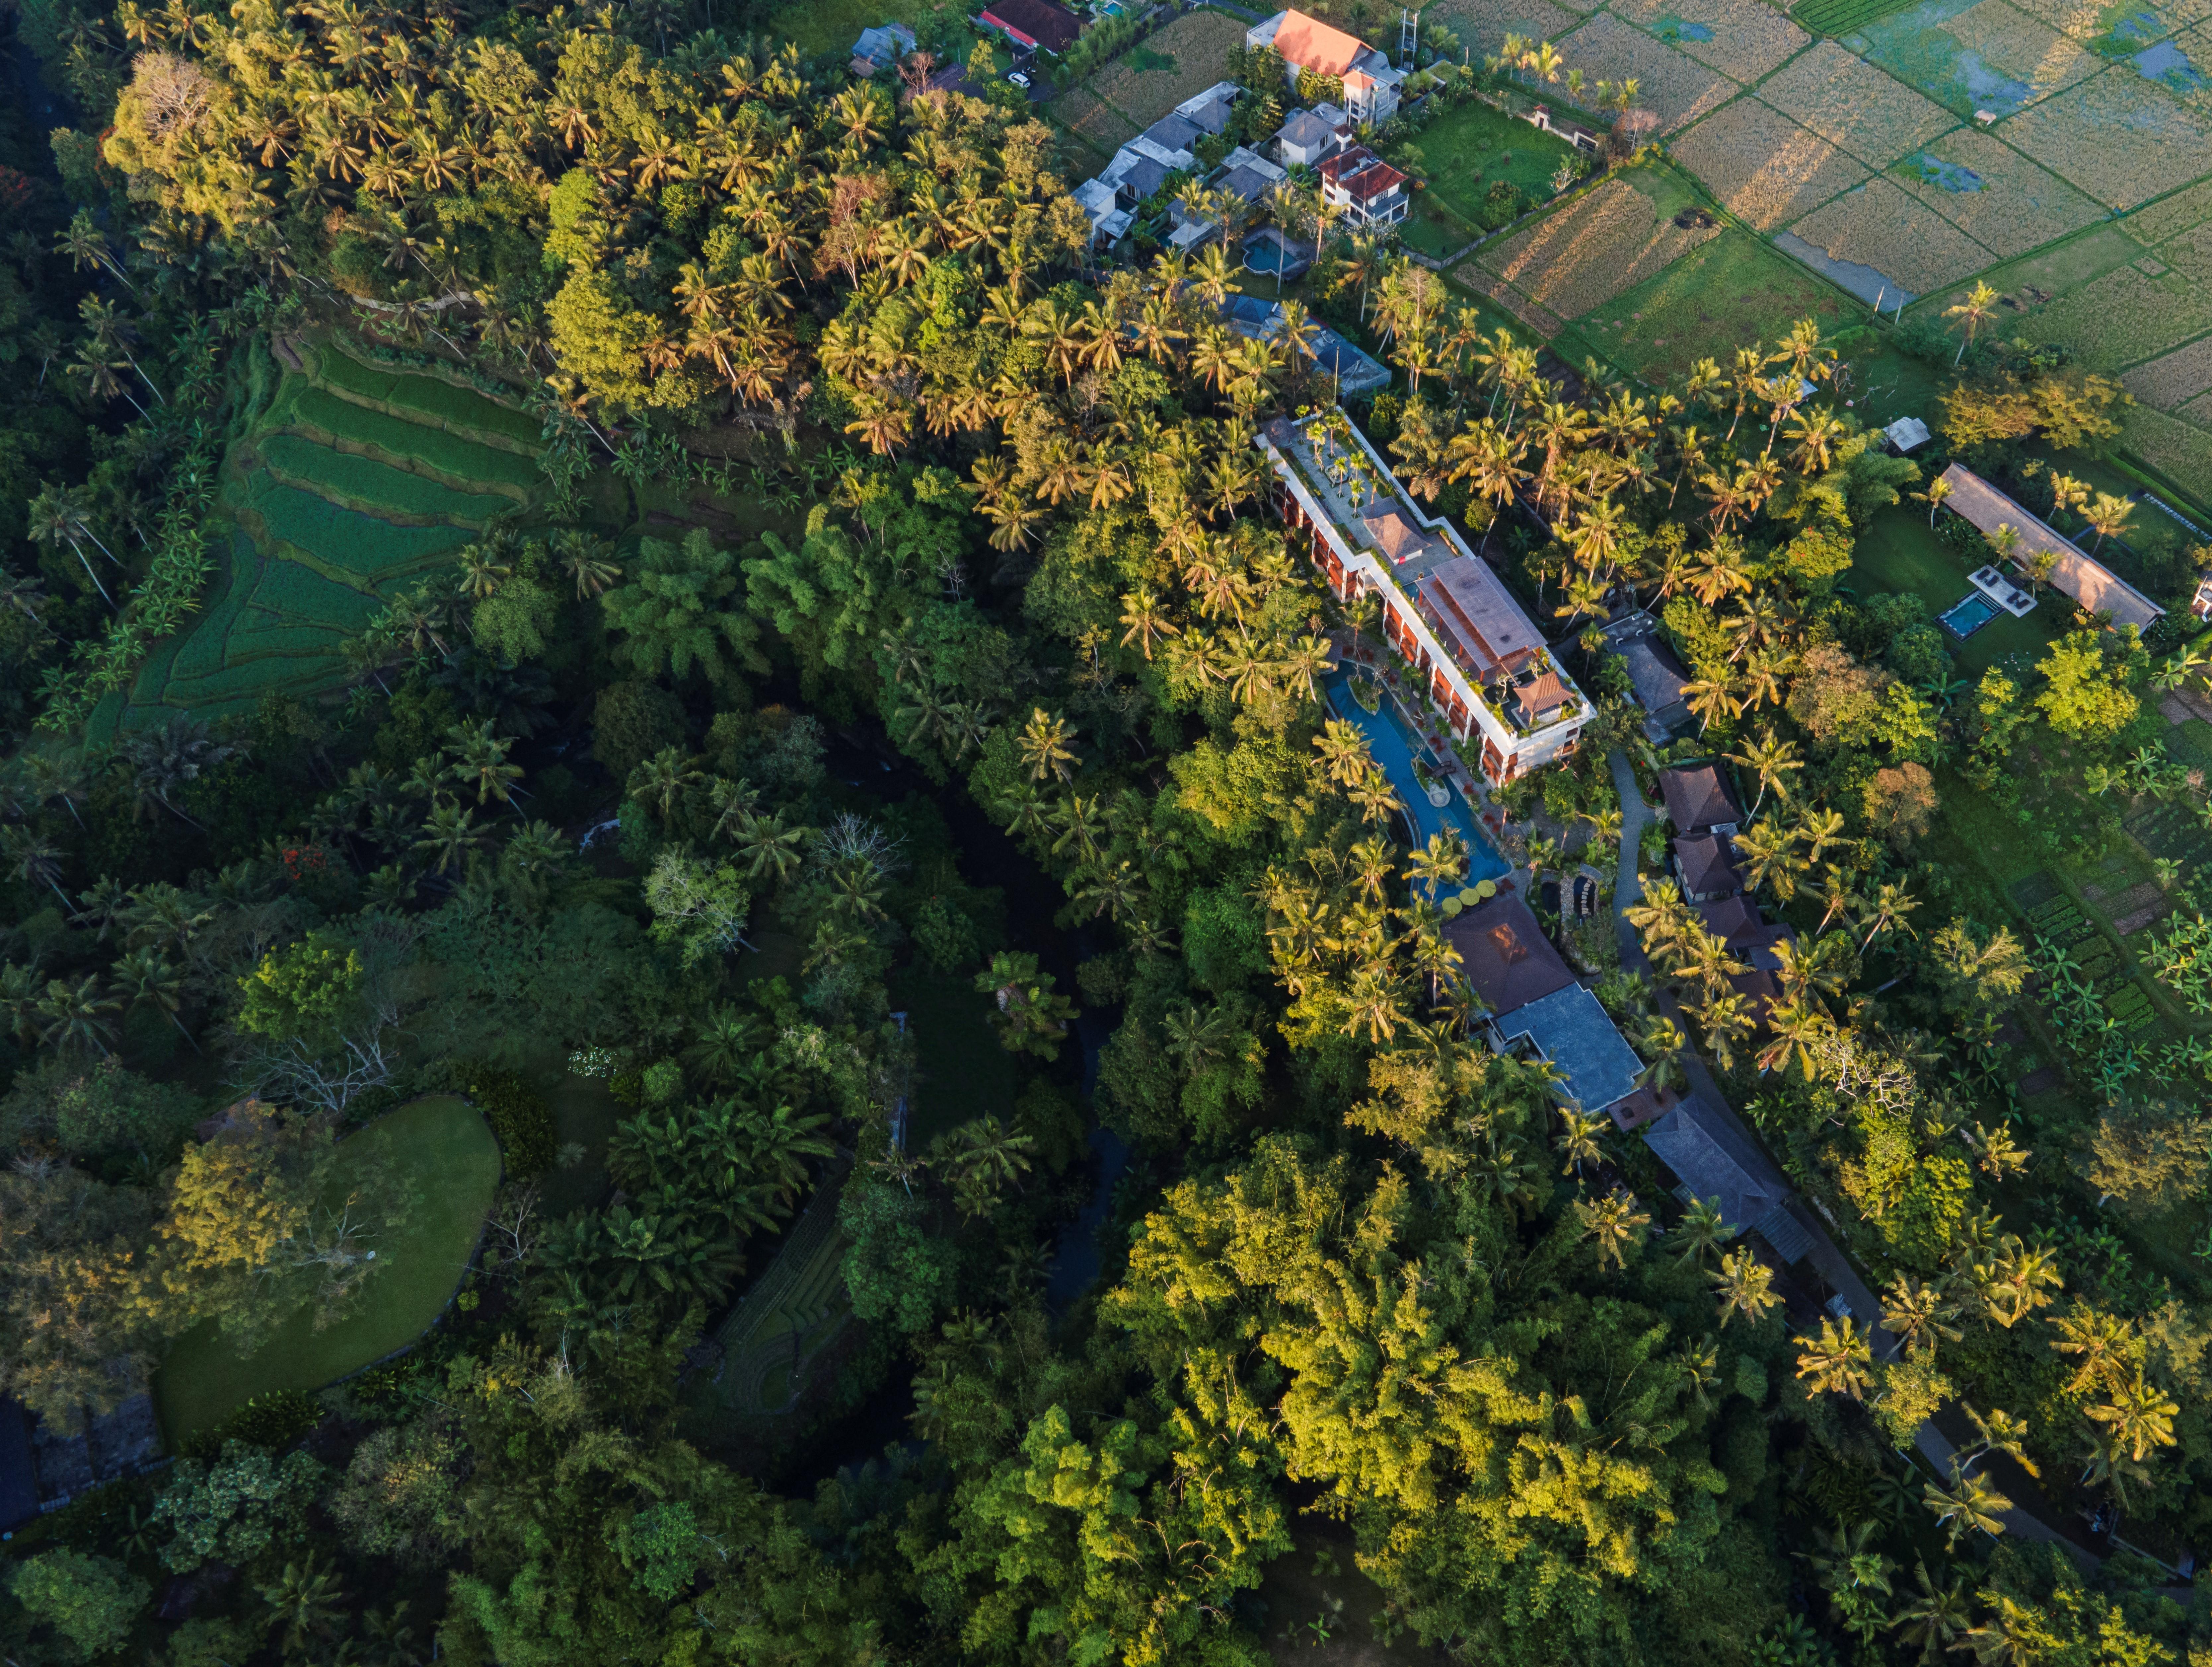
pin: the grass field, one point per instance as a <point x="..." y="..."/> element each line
<point x="450" y="1157"/>
<point x="1172" y="63"/>
<point x="792" y="1312"/>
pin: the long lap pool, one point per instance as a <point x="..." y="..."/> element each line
<point x="1395" y="746"/>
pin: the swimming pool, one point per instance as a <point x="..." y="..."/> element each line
<point x="1969" y="615"/>
<point x="1395" y="748"/>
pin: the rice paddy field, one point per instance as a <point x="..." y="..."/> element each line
<point x="358" y="479"/>
<point x="1865" y="152"/>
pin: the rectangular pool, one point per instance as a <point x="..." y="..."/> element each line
<point x="1395" y="747"/>
<point x="1969" y="615"/>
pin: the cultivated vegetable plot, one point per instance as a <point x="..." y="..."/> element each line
<point x="2182" y="960"/>
<point x="1174" y="63"/>
<point x="1848" y="102"/>
<point x="1766" y="169"/>
<point x="1992" y="193"/>
<point x="1742" y="38"/>
<point x="1880" y="225"/>
<point x="2118" y="135"/>
<point x="1586" y="253"/>
<point x="1674" y="86"/>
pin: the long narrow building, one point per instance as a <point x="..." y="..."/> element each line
<point x="1482" y="660"/>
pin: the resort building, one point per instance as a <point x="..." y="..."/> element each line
<point x="881" y="48"/>
<point x="1705" y="865"/>
<point x="2095" y="588"/>
<point x="1482" y="662"/>
<point x="1655" y="676"/>
<point x="1368" y="189"/>
<point x="1371" y="85"/>
<point x="1210" y="111"/>
<point x="1503" y="955"/>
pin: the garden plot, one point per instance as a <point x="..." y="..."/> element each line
<point x="1483" y="25"/>
<point x="1879" y="225"/>
<point x="1993" y="194"/>
<point x="2173" y="378"/>
<point x="1168" y="66"/>
<point x="2169" y="216"/>
<point x="1093" y="120"/>
<point x="1974" y="57"/>
<point x="1765" y="168"/>
<point x="1608" y="241"/>
<point x="1675" y="88"/>
<point x="2117" y="136"/>
<point x="1848" y="102"/>
<point x="1742" y="39"/>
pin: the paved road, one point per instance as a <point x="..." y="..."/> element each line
<point x="1833" y="1267"/>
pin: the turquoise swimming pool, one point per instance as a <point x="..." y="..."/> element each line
<point x="1395" y="747"/>
<point x="1968" y="616"/>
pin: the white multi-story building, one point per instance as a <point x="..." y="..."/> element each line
<point x="1444" y="612"/>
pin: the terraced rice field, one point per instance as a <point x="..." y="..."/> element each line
<point x="358" y="479"/>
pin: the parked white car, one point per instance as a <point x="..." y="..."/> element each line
<point x="1018" y="79"/>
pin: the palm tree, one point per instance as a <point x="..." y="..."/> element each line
<point x="663" y="779"/>
<point x="36" y="861"/>
<point x="1890" y="903"/>
<point x="1745" y="1285"/>
<point x="1839" y="1361"/>
<point x="1939" y="489"/>
<point x="1976" y="309"/>
<point x="143" y="978"/>
<point x="1701" y="1232"/>
<point x="70" y="1015"/>
<point x="305" y="1602"/>
<point x="1969" y="1502"/>
<point x="1918" y="1314"/>
<point x="1934" y="1617"/>
<point x="2107" y="514"/>
<point x="1578" y="1141"/>
<point x="1771" y="758"/>
<point x="1615" y="1223"/>
<point x="1045" y="749"/>
<point x="57" y="516"/>
<point x="164" y="760"/>
<point x="1709" y="698"/>
<point x="2140" y="1414"/>
<point x="769" y="848"/>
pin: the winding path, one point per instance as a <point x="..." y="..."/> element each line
<point x="1829" y="1263"/>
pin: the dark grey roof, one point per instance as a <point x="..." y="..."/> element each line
<point x="1354" y="371"/>
<point x="1173" y="132"/>
<point x="1247" y="183"/>
<point x="1142" y="179"/>
<point x="1714" y="1159"/>
<point x="1574" y="1033"/>
<point x="1212" y="113"/>
<point x="1706" y="865"/>
<point x="1698" y="798"/>
<point x="1304" y="130"/>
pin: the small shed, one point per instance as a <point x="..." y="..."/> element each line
<point x="1907" y="435"/>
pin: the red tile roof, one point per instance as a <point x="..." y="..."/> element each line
<point x="1361" y="172"/>
<point x="1313" y="44"/>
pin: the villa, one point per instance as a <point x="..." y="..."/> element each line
<point x="1368" y="189"/>
<point x="1713" y="1159"/>
<point x="1039" y="25"/>
<point x="1479" y="657"/>
<point x="1371" y="85"/>
<point x="2095" y="588"/>
<point x="1699" y="801"/>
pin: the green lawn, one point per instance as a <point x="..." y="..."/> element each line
<point x="1900" y="553"/>
<point x="450" y="1157"/>
<point x="1465" y="153"/>
<point x="960" y="1070"/>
